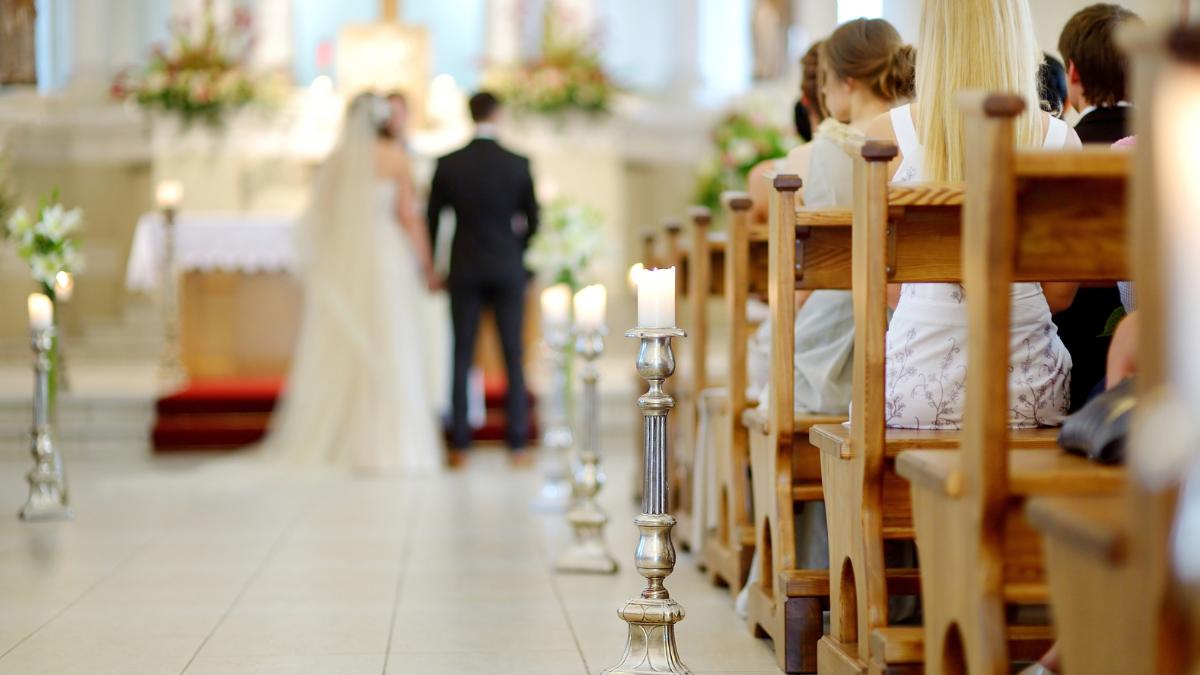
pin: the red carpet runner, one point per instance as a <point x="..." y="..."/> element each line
<point x="226" y="414"/>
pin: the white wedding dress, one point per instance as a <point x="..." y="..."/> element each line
<point x="362" y="392"/>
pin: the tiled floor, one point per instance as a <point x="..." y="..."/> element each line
<point x="230" y="565"/>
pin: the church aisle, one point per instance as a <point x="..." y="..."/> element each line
<point x="210" y="566"/>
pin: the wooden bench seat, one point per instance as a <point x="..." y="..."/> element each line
<point x="1095" y="526"/>
<point x="1030" y="472"/>
<point x="835" y="439"/>
<point x="757" y="420"/>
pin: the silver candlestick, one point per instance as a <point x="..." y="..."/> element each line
<point x="557" y="438"/>
<point x="588" y="553"/>
<point x="170" y="365"/>
<point x="47" y="487"/>
<point x="651" y="648"/>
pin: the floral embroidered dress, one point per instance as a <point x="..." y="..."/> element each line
<point x="927" y="336"/>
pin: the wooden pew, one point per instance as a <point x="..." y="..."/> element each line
<point x="1113" y="552"/>
<point x="1028" y="216"/>
<point x="698" y="283"/>
<point x="901" y="234"/>
<point x="786" y="603"/>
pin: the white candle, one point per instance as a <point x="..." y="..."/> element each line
<point x="41" y="311"/>
<point x="169" y="194"/>
<point x="556" y="306"/>
<point x="590" y="304"/>
<point x="64" y="286"/>
<point x="656" y="298"/>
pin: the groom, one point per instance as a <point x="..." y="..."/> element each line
<point x="491" y="192"/>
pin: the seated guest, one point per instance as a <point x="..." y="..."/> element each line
<point x="1052" y="86"/>
<point x="865" y="69"/>
<point x="758" y="183"/>
<point x="1096" y="88"/>
<point x="995" y="50"/>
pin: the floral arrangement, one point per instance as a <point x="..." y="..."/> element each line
<point x="567" y="240"/>
<point x="742" y="140"/>
<point x="568" y="76"/>
<point x="47" y="240"/>
<point x="200" y="75"/>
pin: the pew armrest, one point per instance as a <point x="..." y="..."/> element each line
<point x="1030" y="472"/>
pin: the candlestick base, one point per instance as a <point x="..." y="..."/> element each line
<point x="651" y="648"/>
<point x="47" y="490"/>
<point x="588" y="553"/>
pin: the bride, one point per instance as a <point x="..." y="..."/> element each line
<point x="359" y="393"/>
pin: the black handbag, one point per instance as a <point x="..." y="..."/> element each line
<point x="1098" y="430"/>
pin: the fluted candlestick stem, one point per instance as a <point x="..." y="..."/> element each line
<point x="588" y="552"/>
<point x="47" y="487"/>
<point x="557" y="437"/>
<point x="170" y="366"/>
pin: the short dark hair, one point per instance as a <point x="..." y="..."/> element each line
<point x="483" y="105"/>
<point x="1087" y="41"/>
<point x="1052" y="85"/>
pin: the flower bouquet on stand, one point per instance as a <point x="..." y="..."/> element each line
<point x="741" y="140"/>
<point x="568" y="76"/>
<point x="48" y="242"/>
<point x="567" y="241"/>
<point x="201" y="75"/>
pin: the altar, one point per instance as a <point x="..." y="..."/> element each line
<point x="238" y="298"/>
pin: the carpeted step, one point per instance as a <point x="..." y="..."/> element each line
<point x="219" y="431"/>
<point x="231" y="395"/>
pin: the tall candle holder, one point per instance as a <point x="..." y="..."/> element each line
<point x="557" y="438"/>
<point x="171" y="371"/>
<point x="47" y="486"/>
<point x="588" y="552"/>
<point x="651" y="648"/>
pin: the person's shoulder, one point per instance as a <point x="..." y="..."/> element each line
<point x="515" y="157"/>
<point x="881" y="127"/>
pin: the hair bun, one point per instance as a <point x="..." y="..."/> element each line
<point x="899" y="79"/>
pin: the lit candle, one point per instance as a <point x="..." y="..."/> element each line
<point x="556" y="306"/>
<point x="656" y="298"/>
<point x="41" y="311"/>
<point x="64" y="286"/>
<point x="169" y="194"/>
<point x="635" y="271"/>
<point x="590" y="303"/>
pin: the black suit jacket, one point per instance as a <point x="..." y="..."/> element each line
<point x="1104" y="125"/>
<point x="1081" y="324"/>
<point x="491" y="192"/>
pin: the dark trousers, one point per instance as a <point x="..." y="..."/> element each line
<point x="507" y="300"/>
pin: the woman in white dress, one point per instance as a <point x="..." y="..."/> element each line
<point x="993" y="50"/>
<point x="358" y="394"/>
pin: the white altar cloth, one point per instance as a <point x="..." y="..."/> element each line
<point x="225" y="242"/>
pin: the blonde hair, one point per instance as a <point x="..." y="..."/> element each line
<point x="986" y="45"/>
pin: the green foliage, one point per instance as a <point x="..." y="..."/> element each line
<point x="741" y="140"/>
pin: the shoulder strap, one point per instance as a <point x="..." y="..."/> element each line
<point x="906" y="131"/>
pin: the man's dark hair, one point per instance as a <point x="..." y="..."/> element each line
<point x="1087" y="41"/>
<point x="483" y="105"/>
